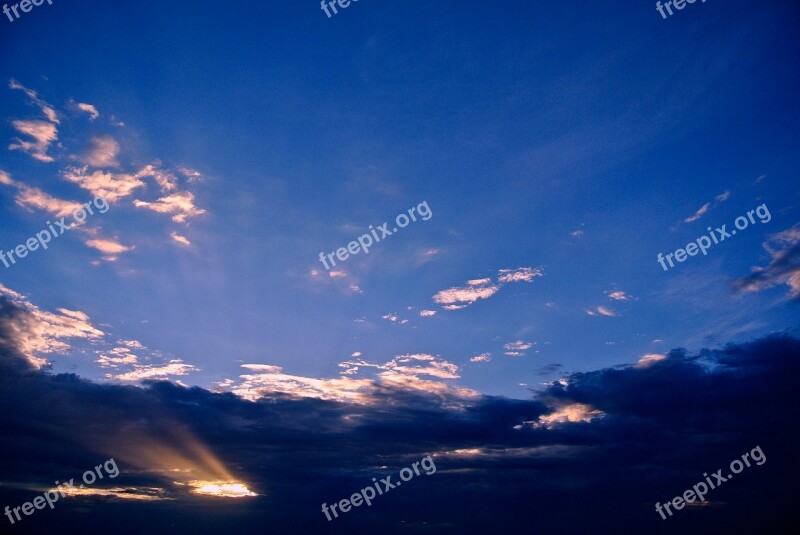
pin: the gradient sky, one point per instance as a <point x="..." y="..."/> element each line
<point x="559" y="147"/>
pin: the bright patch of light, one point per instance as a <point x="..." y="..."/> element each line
<point x="224" y="489"/>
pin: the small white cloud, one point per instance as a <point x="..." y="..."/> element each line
<point x="181" y="240"/>
<point x="427" y="313"/>
<point x="523" y="274"/>
<point x="619" y="295"/>
<point x="518" y="348"/>
<point x="483" y="357"/>
<point x="88" y="108"/>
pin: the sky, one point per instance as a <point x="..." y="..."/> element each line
<point x="533" y="317"/>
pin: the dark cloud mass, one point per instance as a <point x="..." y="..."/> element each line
<point x="599" y="449"/>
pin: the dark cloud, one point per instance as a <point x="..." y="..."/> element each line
<point x="503" y="465"/>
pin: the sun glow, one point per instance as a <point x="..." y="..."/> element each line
<point x="224" y="489"/>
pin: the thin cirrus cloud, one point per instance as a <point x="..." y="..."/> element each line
<point x="459" y="297"/>
<point x="46" y="108"/>
<point x="602" y="311"/>
<point x="141" y="372"/>
<point x="722" y="197"/>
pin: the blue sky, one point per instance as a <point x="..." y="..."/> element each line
<point x="571" y="143"/>
<point x="522" y="335"/>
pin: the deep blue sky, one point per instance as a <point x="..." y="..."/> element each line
<point x="524" y="336"/>
<point x="519" y="124"/>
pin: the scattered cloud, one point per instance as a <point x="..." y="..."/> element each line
<point x="483" y="357"/>
<point x="427" y="313"/>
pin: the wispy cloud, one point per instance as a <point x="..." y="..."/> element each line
<point x="602" y="311"/>
<point x="722" y="197"/>
<point x="784" y="267"/>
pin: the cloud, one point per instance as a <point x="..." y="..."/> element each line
<point x="466" y="295"/>
<point x="619" y="295"/>
<point x="524" y="274"/>
<point x="35" y="333"/>
<point x="30" y="197"/>
<point x="427" y="313"/>
<point x="88" y="108"/>
<point x="110" y="186"/>
<point x="649" y="360"/>
<point x="783" y="268"/>
<point x="483" y="357"/>
<point x="456" y="298"/>
<point x="602" y="311"/>
<point x="722" y="197"/>
<point x="518" y="348"/>
<point x="576" y="233"/>
<point x="141" y="372"/>
<point x="699" y="213"/>
<point x="568" y="413"/>
<point x="46" y="108"/>
<point x="104" y="152"/>
<point x="181" y="240"/>
<point x="180" y="205"/>
<point x="110" y="248"/>
<point x="43" y="134"/>
<point x="610" y="424"/>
